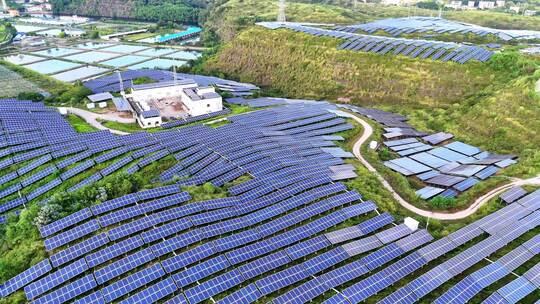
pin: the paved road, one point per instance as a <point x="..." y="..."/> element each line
<point x="368" y="131"/>
<point x="92" y="119"/>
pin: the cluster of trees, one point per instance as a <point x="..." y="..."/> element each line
<point x="182" y="11"/>
<point x="20" y="242"/>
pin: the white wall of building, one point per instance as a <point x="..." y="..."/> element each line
<point x="146" y="123"/>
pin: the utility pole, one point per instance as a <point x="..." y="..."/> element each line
<point x="4" y="6"/>
<point x="281" y="11"/>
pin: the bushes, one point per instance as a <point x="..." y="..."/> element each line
<point x="20" y="242"/>
<point x="441" y="202"/>
<point x="512" y="64"/>
<point x="34" y="96"/>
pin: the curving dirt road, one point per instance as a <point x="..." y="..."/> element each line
<point x="368" y="131"/>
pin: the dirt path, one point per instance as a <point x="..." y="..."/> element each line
<point x="368" y="131"/>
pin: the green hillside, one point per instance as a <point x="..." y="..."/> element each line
<point x="184" y="11"/>
<point x="227" y="17"/>
<point x="491" y="105"/>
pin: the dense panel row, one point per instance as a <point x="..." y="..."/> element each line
<point x="403" y="26"/>
<point x="435" y="50"/>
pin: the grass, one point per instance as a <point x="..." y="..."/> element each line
<point x="13" y="84"/>
<point x="470" y="100"/>
<point x="79" y="124"/>
<point x="124" y="127"/>
<point x="47" y="83"/>
<point x="227" y="18"/>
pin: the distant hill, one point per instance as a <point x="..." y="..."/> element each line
<point x="486" y="104"/>
<point x="184" y="11"/>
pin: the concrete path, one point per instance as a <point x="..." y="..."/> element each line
<point x="92" y="119"/>
<point x="368" y="131"/>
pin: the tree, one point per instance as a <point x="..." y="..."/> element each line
<point x="47" y="214"/>
<point x="33" y="96"/>
<point x="431" y="5"/>
<point x="93" y="35"/>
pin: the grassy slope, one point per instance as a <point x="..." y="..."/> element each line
<point x="477" y="103"/>
<point x="79" y="124"/>
<point x="230" y="16"/>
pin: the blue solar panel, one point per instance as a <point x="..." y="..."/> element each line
<point x="248" y="294"/>
<point x="213" y="286"/>
<point x="79" y="249"/>
<point x="188" y="257"/>
<point x="121" y="287"/>
<point x="121" y="266"/>
<point x="65" y="222"/>
<point x="115" y="203"/>
<point x="71" y="235"/>
<point x="153" y="293"/>
<point x="56" y="278"/>
<point x="25" y="277"/>
<point x="69" y="291"/>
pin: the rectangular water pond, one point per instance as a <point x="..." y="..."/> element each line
<point x="23" y="59"/>
<point x="57" y="52"/>
<point x="91" y="57"/>
<point x="51" y="66"/>
<point x="185" y="55"/>
<point x="125" y="48"/>
<point x="124" y="61"/>
<point x="158" y="63"/>
<point x="21" y="28"/>
<point x="156" y="52"/>
<point x="80" y="73"/>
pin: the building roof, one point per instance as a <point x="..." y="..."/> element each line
<point x="150" y="113"/>
<point x="193" y="95"/>
<point x="163" y="84"/>
<point x="100" y="97"/>
<point x="210" y="95"/>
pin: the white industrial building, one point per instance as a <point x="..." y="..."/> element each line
<point x="201" y="100"/>
<point x="196" y="100"/>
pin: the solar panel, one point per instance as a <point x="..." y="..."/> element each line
<point x="71" y="235"/>
<point x="393" y="233"/>
<point x="79" y="249"/>
<point x="24" y="278"/>
<point x="487" y="172"/>
<point x="54" y="279"/>
<point x="123" y="265"/>
<point x="213" y="286"/>
<point x="153" y="293"/>
<point x="513" y="194"/>
<point x="69" y="291"/>
<point x="115" y="203"/>
<point x="247" y="294"/>
<point x="65" y="222"/>
<point x="121" y="287"/>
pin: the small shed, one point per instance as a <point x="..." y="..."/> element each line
<point x="100" y="97"/>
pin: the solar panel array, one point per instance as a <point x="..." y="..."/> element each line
<point x="446" y="167"/>
<point x="429" y="25"/>
<point x="414" y="48"/>
<point x="110" y="83"/>
<point x="278" y="235"/>
<point x="269" y="258"/>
